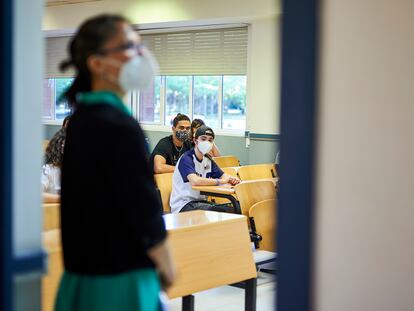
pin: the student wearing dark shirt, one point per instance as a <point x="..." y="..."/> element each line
<point x="113" y="235"/>
<point x="169" y="149"/>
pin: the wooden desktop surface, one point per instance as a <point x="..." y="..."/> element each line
<point x="210" y="249"/>
<point x="227" y="188"/>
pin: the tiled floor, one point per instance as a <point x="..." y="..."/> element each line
<point x="229" y="298"/>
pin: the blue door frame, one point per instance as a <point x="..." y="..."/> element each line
<point x="6" y="54"/>
<point x="298" y="110"/>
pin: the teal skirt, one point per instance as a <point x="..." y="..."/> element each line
<point x="136" y="290"/>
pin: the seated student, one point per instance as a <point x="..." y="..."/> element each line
<point x="215" y="152"/>
<point x="194" y="168"/>
<point x="169" y="149"/>
<point x="52" y="166"/>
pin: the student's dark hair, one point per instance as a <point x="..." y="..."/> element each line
<point x="180" y="117"/>
<point x="89" y="39"/>
<point x="197" y="123"/>
<point x="54" y="150"/>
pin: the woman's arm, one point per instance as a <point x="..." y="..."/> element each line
<point x="160" y="254"/>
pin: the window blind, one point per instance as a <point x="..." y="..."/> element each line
<point x="195" y="52"/>
<point x="200" y="52"/>
<point x="56" y="52"/>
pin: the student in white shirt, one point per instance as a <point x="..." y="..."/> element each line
<point x="195" y="168"/>
<point x="51" y="168"/>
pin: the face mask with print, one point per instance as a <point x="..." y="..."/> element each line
<point x="204" y="146"/>
<point x="182" y="135"/>
<point x="138" y="72"/>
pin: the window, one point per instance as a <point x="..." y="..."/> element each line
<point x="206" y="99"/>
<point x="177" y="94"/>
<point x="218" y="100"/>
<point x="202" y="74"/>
<point x="234" y="102"/>
<point x="54" y="108"/>
<point x="149" y="108"/>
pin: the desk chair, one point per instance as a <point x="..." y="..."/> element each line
<point x="226" y="161"/>
<point x="51" y="218"/>
<point x="229" y="171"/>
<point x="256" y="171"/>
<point x="262" y="216"/>
<point x="164" y="185"/>
<point x="252" y="192"/>
<point x="45" y="143"/>
<point x="263" y="224"/>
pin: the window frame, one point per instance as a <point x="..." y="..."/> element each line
<point x="162" y="127"/>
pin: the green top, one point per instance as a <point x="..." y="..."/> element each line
<point x="136" y="290"/>
<point x="103" y="97"/>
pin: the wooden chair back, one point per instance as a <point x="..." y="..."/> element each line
<point x="264" y="217"/>
<point x="226" y="161"/>
<point x="256" y="171"/>
<point x="230" y="171"/>
<point x="250" y="193"/>
<point x="45" y="143"/>
<point x="51" y="219"/>
<point x="164" y="185"/>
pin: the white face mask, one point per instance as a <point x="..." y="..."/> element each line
<point x="135" y="74"/>
<point x="204" y="146"/>
<point x="138" y="72"/>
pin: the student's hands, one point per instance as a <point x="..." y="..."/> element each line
<point x="234" y="181"/>
<point x="226" y="179"/>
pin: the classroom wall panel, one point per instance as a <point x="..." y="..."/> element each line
<point x="259" y="151"/>
<point x="365" y="233"/>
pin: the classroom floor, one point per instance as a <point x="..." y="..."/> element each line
<point x="229" y="298"/>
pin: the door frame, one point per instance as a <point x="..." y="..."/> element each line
<point x="298" y="146"/>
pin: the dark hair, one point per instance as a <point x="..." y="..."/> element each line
<point x="54" y="150"/>
<point x="197" y="123"/>
<point x="180" y="117"/>
<point x="89" y="39"/>
<point x="65" y="122"/>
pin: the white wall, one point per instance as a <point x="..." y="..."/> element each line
<point x="365" y="206"/>
<point x="27" y="130"/>
<point x="263" y="58"/>
<point x="27" y="148"/>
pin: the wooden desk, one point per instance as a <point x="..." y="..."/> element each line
<point x="50" y="281"/>
<point x="208" y="254"/>
<point x="205" y="250"/>
<point x="227" y="191"/>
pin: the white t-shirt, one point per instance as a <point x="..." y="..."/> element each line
<point x="182" y="191"/>
<point x="51" y="179"/>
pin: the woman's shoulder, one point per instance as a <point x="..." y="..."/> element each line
<point x="106" y="116"/>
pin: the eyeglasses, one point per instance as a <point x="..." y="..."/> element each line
<point x="123" y="47"/>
